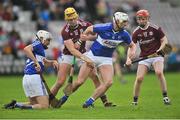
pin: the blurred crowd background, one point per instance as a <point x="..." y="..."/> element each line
<point x="20" y="20"/>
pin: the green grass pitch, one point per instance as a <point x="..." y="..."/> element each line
<point x="150" y="100"/>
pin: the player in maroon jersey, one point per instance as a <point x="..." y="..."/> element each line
<point x="74" y="47"/>
<point x="151" y="39"/>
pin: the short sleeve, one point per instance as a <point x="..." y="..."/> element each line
<point x="65" y="35"/>
<point x="160" y="33"/>
<point x="134" y="37"/>
<point x="127" y="38"/>
<point x="37" y="46"/>
<point x="88" y="24"/>
<point x="97" y="28"/>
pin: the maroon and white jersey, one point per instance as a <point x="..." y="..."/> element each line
<point x="74" y="34"/>
<point x="148" y="39"/>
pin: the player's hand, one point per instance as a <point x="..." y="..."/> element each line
<point x="132" y="54"/>
<point x="77" y="45"/>
<point x="89" y="62"/>
<point x="160" y="52"/>
<point x="55" y="64"/>
<point x="37" y="66"/>
<point x="128" y="63"/>
<point x="157" y="51"/>
<point x="83" y="37"/>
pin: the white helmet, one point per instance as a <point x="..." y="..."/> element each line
<point x="120" y="16"/>
<point x="43" y="35"/>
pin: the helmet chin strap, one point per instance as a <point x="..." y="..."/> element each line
<point x="116" y="22"/>
<point x="142" y="26"/>
<point x="44" y="46"/>
<point x="75" y="26"/>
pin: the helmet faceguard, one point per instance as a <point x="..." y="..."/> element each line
<point x="44" y="36"/>
<point x="70" y="13"/>
<point x="119" y="18"/>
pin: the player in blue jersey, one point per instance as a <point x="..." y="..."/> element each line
<point x="109" y="36"/>
<point x="33" y="86"/>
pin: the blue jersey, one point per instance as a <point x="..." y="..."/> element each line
<point x="39" y="53"/>
<point x="108" y="39"/>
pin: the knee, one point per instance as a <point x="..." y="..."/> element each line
<point x="44" y="106"/>
<point x="60" y="82"/>
<point x="108" y="83"/>
<point x="159" y="73"/>
<point x="79" y="82"/>
<point x="94" y="77"/>
<point x="139" y="79"/>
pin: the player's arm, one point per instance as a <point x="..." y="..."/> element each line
<point x="53" y="63"/>
<point x="131" y="52"/>
<point x="162" y="37"/>
<point x="28" y="51"/>
<point x="88" y="34"/>
<point x="71" y="47"/>
<point x="163" y="41"/>
<point x="89" y="37"/>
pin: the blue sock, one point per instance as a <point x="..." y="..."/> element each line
<point x="64" y="98"/>
<point x="18" y="105"/>
<point x="21" y="106"/>
<point x="89" y="101"/>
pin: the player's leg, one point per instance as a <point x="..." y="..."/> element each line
<point x="63" y="72"/>
<point x="158" y="67"/>
<point x="82" y="76"/>
<point x="118" y="72"/>
<point x="39" y="102"/>
<point x="106" y="72"/>
<point x="35" y="91"/>
<point x="93" y="75"/>
<point x="13" y="104"/>
<point x="141" y="71"/>
<point x="32" y="101"/>
<point x="42" y="102"/>
<point x="117" y="68"/>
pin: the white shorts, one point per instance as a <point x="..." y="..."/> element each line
<point x="98" y="60"/>
<point x="69" y="59"/>
<point x="33" y="86"/>
<point x="150" y="61"/>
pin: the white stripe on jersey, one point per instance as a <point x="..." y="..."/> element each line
<point x="110" y="43"/>
<point x="30" y="63"/>
<point x="39" y="59"/>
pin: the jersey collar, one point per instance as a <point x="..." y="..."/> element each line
<point x="145" y="27"/>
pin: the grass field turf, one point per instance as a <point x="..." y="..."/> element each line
<point x="150" y="101"/>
